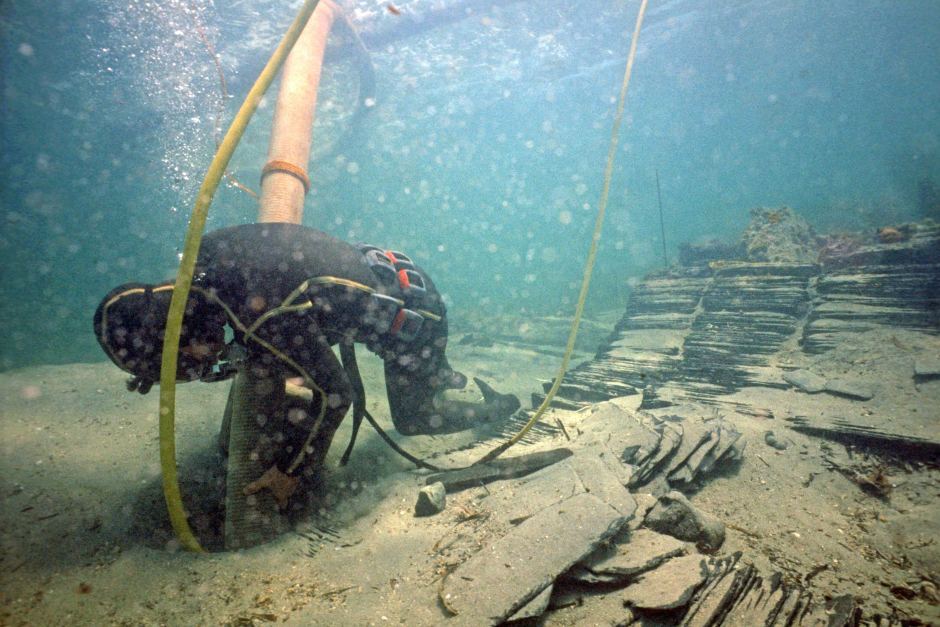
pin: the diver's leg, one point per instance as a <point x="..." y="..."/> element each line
<point x="310" y="426"/>
<point x="459" y="409"/>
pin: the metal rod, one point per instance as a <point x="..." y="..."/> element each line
<point x="662" y="226"/>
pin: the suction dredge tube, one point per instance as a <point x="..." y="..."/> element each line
<point x="251" y="520"/>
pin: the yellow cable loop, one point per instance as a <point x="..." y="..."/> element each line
<point x="184" y="277"/>
<point x="592" y="254"/>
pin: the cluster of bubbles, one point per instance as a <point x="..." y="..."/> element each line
<point x="163" y="53"/>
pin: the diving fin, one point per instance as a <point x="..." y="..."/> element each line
<point x="506" y="403"/>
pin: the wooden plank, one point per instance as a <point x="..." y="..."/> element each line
<point x="503" y="577"/>
<point x="850" y="432"/>
<point x="499" y="468"/>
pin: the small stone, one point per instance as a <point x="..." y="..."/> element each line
<point x="849" y="389"/>
<point x="675" y="516"/>
<point x="495" y="582"/>
<point x="431" y="500"/>
<point x="772" y="441"/>
<point x="809" y="382"/>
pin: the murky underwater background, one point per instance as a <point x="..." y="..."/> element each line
<point x="482" y="155"/>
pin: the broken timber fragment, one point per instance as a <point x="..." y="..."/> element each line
<point x="499" y="468"/>
<point x="736" y="594"/>
<point x="809" y="382"/>
<point x="926" y="368"/>
<point x="642" y="550"/>
<point x="516" y="500"/>
<point x="536" y="607"/>
<point x="848" y="389"/>
<point x="669" y="586"/>
<point x="599" y="480"/>
<point x="503" y="577"/>
<point x="849" y="432"/>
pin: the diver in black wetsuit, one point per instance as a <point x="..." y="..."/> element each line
<point x="289" y="293"/>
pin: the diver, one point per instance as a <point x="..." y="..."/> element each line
<point x="289" y="293"/>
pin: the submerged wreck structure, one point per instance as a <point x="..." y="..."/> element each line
<point x="608" y="529"/>
<point x="714" y="325"/>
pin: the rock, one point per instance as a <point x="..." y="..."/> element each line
<point x="773" y="442"/>
<point x="503" y="577"/>
<point x="809" y="382"/>
<point x="431" y="500"/>
<point x="642" y="550"/>
<point x="669" y="586"/>
<point x="849" y="389"/>
<point x="675" y="516"/>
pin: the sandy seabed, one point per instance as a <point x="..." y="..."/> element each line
<point x="85" y="540"/>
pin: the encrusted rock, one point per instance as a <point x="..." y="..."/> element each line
<point x="431" y="500"/>
<point x="779" y="235"/>
<point x="675" y="516"/>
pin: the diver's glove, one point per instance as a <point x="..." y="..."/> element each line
<point x="502" y="405"/>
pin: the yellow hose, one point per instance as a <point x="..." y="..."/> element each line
<point x="184" y="277"/>
<point x="592" y="253"/>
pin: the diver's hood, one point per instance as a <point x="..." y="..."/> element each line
<point x="130" y="322"/>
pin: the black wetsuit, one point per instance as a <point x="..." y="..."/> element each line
<point x="253" y="268"/>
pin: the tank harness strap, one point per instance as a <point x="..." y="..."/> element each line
<point x="397" y="272"/>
